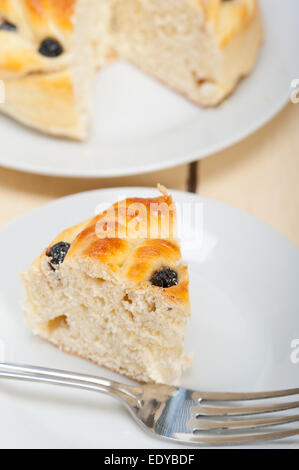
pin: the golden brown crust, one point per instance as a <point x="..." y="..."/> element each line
<point x="229" y="18"/>
<point x="149" y="256"/>
<point x="35" y="21"/>
<point x="180" y="292"/>
<point x="46" y="102"/>
<point x="40" y="13"/>
<point x="108" y="250"/>
<point x="61" y="11"/>
<point x="132" y="254"/>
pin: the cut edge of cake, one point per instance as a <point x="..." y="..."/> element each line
<point x="199" y="49"/>
<point x="119" y="301"/>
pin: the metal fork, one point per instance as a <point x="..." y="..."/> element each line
<point x="182" y="415"/>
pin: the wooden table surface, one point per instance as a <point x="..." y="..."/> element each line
<point x="258" y="175"/>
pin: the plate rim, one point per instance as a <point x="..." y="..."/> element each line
<point x="148" y="168"/>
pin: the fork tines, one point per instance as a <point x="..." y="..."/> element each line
<point x="236" y="422"/>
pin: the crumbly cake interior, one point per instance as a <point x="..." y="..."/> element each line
<point x="198" y="48"/>
<point x="169" y="40"/>
<point x="130" y="331"/>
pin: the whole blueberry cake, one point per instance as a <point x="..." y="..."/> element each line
<point x="114" y="290"/>
<point x="50" y="49"/>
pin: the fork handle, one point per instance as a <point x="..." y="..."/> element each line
<point x="69" y="379"/>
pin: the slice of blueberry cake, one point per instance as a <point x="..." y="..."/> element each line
<point x="114" y="290"/>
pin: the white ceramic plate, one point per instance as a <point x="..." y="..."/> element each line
<point x="244" y="294"/>
<point x="139" y="125"/>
